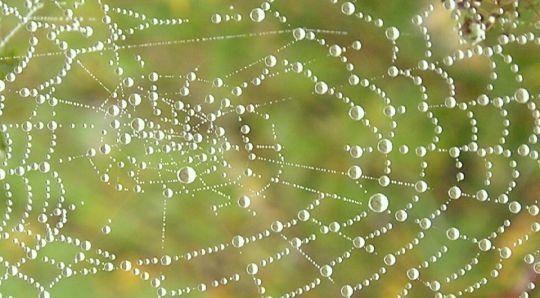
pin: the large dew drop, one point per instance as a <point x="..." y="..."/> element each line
<point x="186" y="175"/>
<point x="257" y="15"/>
<point x="378" y="203"/>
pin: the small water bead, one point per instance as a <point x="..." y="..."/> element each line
<point x="138" y="124"/>
<point x="125" y="139"/>
<point x="299" y="34"/>
<point x="529" y="259"/>
<point x="297" y="67"/>
<point x="321" y="88"/>
<point x="356" y="113"/>
<point x="389" y="259"/>
<point x="244" y="202"/>
<point x="452" y="234"/>
<point x="277" y="226"/>
<point x="393" y="71"/>
<point x="106" y="230"/>
<point x="454" y="192"/>
<point x="401" y="215"/>
<point x="484" y="244"/>
<point x="482" y="195"/>
<point x="304" y="215"/>
<point x="354" y="80"/>
<point x="252" y="269"/>
<point x="270" y="61"/>
<point x="514" y="207"/>
<point x="356" y="151"/>
<point x="454" y="152"/>
<point x="435" y="285"/>
<point x="425" y="223"/>
<point x="186" y="175"/>
<point x="114" y="110"/>
<point x="378" y="203"/>
<point x="42" y="218"/>
<point x="240" y="109"/>
<point x="237" y="91"/>
<point x="216" y="18"/>
<point x="218" y="82"/>
<point x="413" y="274"/>
<point x="238" y="241"/>
<point x="534" y="210"/>
<point x="245" y="129"/>
<point x="168" y="193"/>
<point x="335" y="50"/>
<point x="524" y="150"/>
<point x="536" y="267"/>
<point x="355" y="172"/>
<point x="506" y="252"/>
<point x="257" y="15"/>
<point x="384" y="181"/>
<point x="370" y="248"/>
<point x="421" y="186"/>
<point x="385" y="146"/>
<point x="392" y="33"/>
<point x="348" y="8"/>
<point x="359" y="242"/>
<point x="389" y="111"/>
<point x="125" y="265"/>
<point x="200" y="287"/>
<point x="67" y="272"/>
<point x="483" y="100"/>
<point x="326" y="271"/>
<point x="296" y="242"/>
<point x="522" y="95"/>
<point x="347" y="291"/>
<point x="334" y="227"/>
<point x="403" y="149"/>
<point x="449" y="4"/>
<point x="135" y="99"/>
<point x="13" y="270"/>
<point x="503" y="198"/>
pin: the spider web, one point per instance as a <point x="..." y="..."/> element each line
<point x="269" y="149"/>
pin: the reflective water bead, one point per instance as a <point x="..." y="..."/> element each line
<point x="378" y="203"/>
<point x="348" y="8"/>
<point x="186" y="175"/>
<point x="257" y="15"/>
<point x="392" y="33"/>
<point x="356" y="113"/>
<point x="321" y="88"/>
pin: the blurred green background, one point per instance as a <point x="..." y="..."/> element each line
<point x="312" y="129"/>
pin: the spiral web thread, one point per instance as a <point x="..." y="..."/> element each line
<point x="204" y="182"/>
